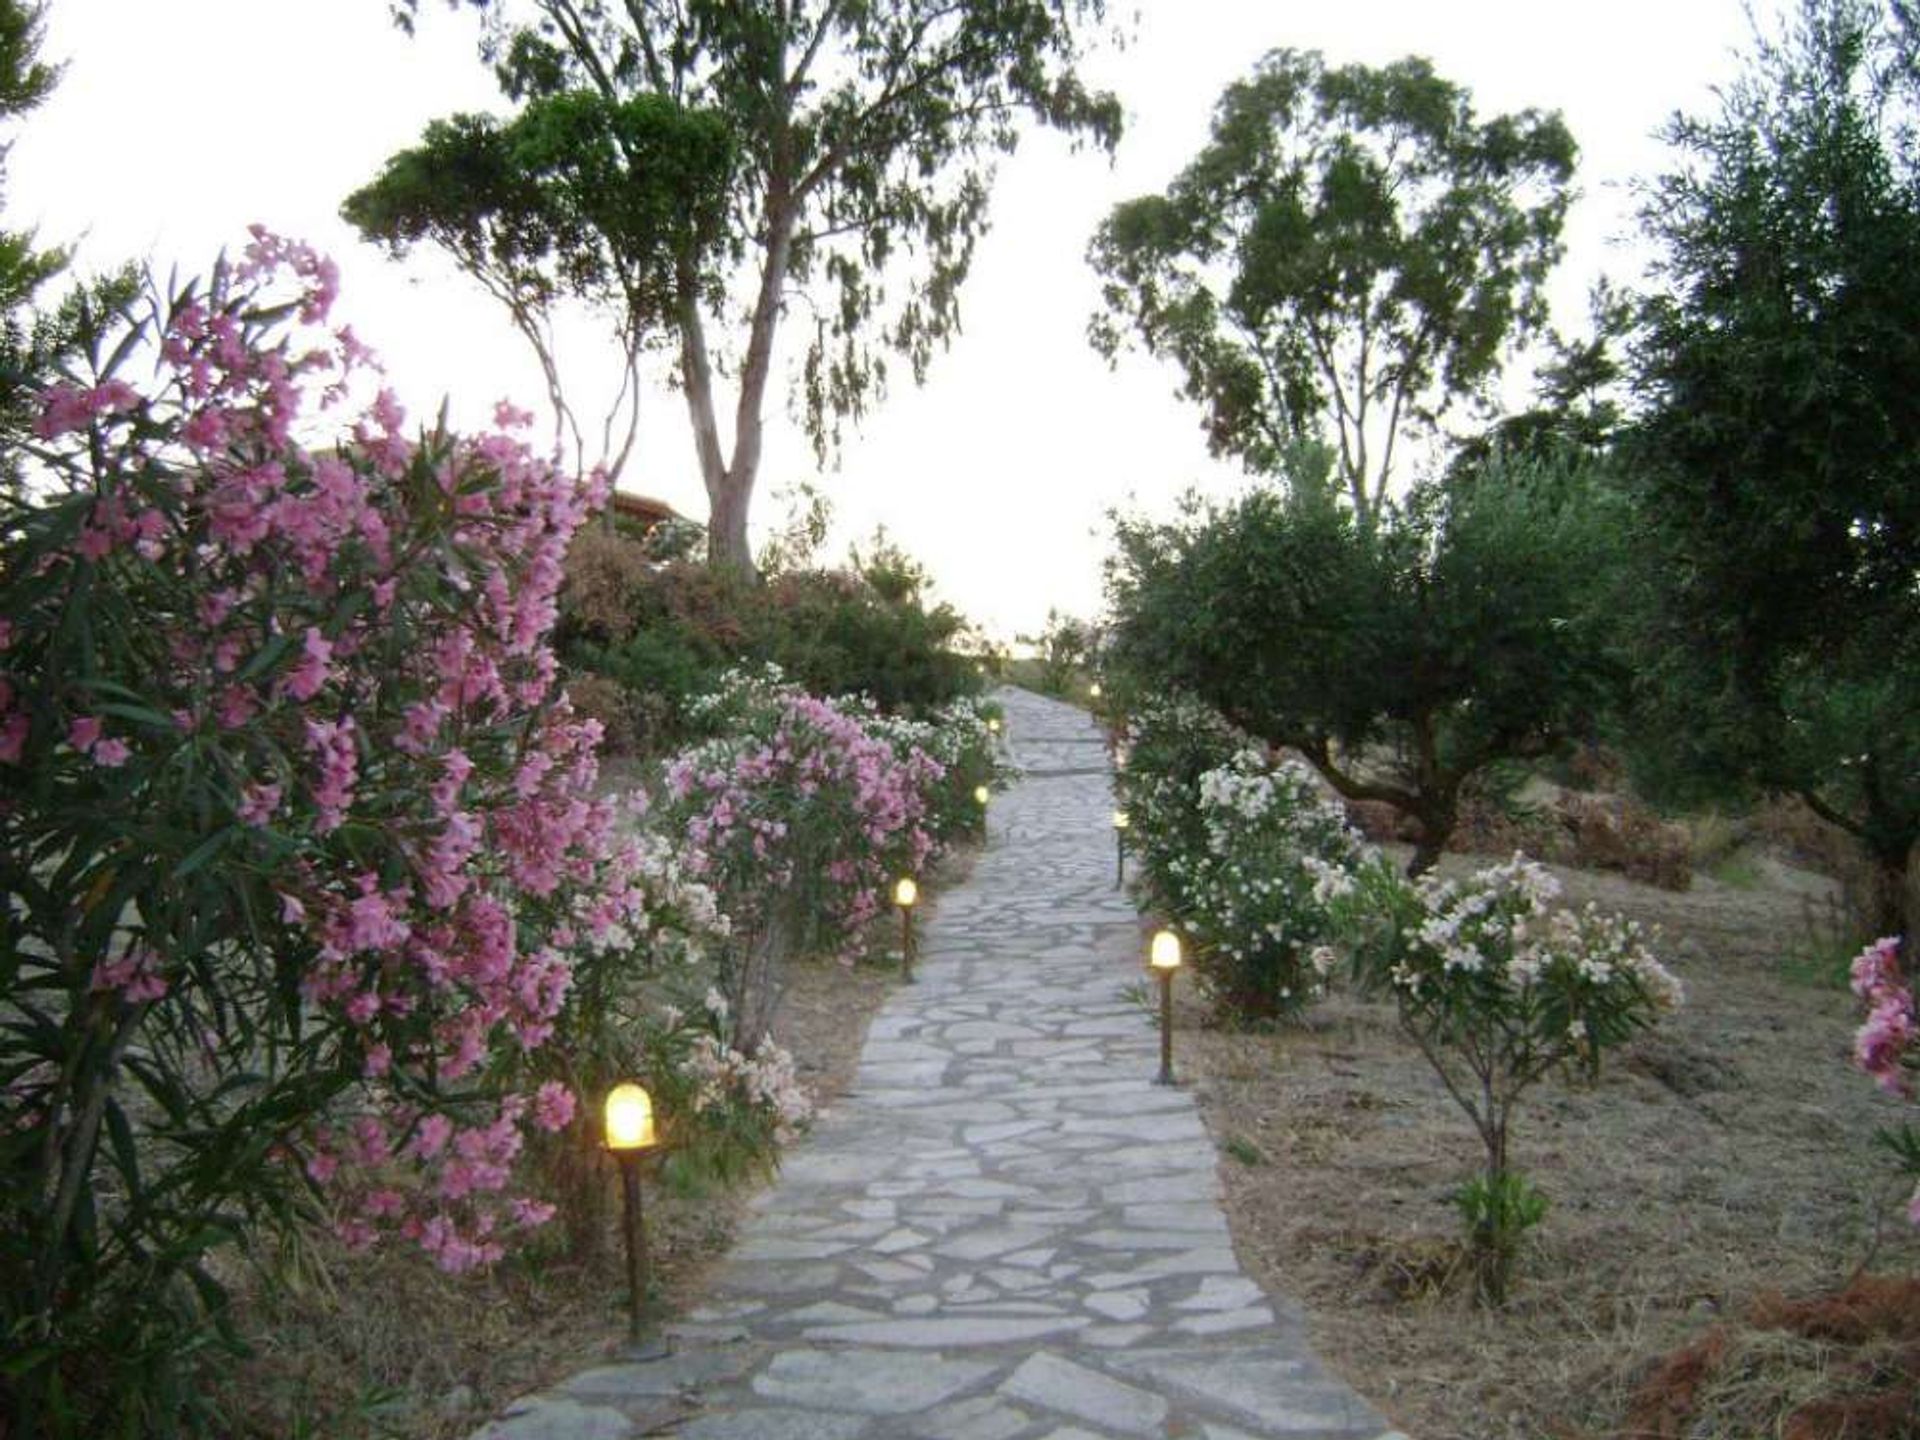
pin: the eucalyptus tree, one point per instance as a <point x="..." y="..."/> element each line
<point x="862" y="139"/>
<point x="1349" y="256"/>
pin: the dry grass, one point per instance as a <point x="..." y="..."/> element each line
<point x="1729" y="1154"/>
<point x="384" y="1345"/>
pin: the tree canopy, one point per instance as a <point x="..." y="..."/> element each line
<point x="1401" y="659"/>
<point x="1351" y="254"/>
<point x="1778" y="454"/>
<point x="863" y="140"/>
<point x="575" y="196"/>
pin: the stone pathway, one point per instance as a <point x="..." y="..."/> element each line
<point x="1006" y="1232"/>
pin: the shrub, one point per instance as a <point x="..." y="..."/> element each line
<point x="304" y="866"/>
<point x="1170" y="743"/>
<point x="667" y="633"/>
<point x="1259" y="898"/>
<point x="1499" y="988"/>
<point x="800" y="813"/>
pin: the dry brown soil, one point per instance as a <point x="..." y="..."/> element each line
<point x="1727" y="1154"/>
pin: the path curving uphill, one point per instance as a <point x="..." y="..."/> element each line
<point x="1006" y="1231"/>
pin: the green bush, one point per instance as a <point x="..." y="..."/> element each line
<point x="667" y="632"/>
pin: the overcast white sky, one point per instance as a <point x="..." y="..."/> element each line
<point x="178" y="124"/>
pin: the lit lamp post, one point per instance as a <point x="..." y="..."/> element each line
<point x="981" y="795"/>
<point x="1121" y="820"/>
<point x="630" y="1136"/>
<point x="905" y="893"/>
<point x="1163" y="958"/>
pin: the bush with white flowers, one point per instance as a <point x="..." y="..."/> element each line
<point x="1259" y="897"/>
<point x="1500" y="986"/>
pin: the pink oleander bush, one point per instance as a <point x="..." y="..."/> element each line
<point x="800" y="813"/>
<point x="1887" y="1045"/>
<point x="303" y="857"/>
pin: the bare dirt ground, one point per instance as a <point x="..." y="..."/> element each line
<point x="1728" y="1154"/>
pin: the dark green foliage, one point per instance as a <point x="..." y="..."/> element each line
<point x="1461" y="630"/>
<point x="1778" y="459"/>
<point x="30" y="345"/>
<point x="665" y="633"/>
<point x="1352" y="252"/>
<point x="575" y="195"/>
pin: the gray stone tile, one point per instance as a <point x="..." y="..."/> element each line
<point x="868" y="1382"/>
<point x="1048" y="1381"/>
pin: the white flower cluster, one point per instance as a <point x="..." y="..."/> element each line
<point x="1498" y="940"/>
<point x="765" y="1079"/>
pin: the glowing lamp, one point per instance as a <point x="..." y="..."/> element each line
<point x="630" y="1119"/>
<point x="981" y="794"/>
<point x="1164" y="953"/>
<point x="905" y="892"/>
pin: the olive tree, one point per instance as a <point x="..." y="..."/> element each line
<point x="1402" y="658"/>
<point x="1778" y="454"/>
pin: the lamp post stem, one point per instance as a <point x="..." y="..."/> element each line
<point x="906" y="944"/>
<point x="1166" y="1028"/>
<point x="638" y="1267"/>
<point x="1120" y="859"/>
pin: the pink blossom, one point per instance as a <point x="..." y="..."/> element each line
<point x="553" y="1106"/>
<point x="311" y="673"/>
<point x="84" y="733"/>
<point x="257" y="804"/>
<point x="135" y="975"/>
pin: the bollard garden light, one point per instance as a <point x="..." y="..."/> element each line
<point x="1163" y="958"/>
<point x="993" y="726"/>
<point x="1093" y="691"/>
<point x="1121" y="820"/>
<point x="905" y="894"/>
<point x="630" y="1138"/>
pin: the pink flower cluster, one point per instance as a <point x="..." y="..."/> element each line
<point x="804" y="797"/>
<point x="1884" y="1044"/>
<point x="352" y="644"/>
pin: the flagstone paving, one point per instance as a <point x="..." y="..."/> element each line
<point x="1006" y="1231"/>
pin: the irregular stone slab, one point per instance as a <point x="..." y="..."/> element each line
<point x="1048" y="1381"/>
<point x="868" y="1382"/>
<point x="559" y="1418"/>
<point x="774" y="1425"/>
<point x="942" y="1333"/>
<point x="982" y="1418"/>
<point x="1222" y="1292"/>
<point x="1119" y="1304"/>
<point x="682" y="1370"/>
<point x="1277" y="1394"/>
<point x="1225" y="1322"/>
